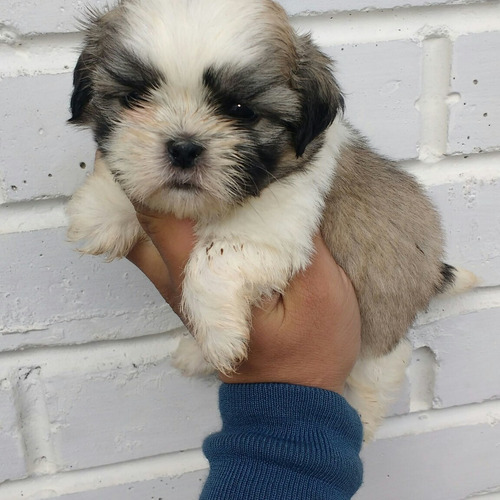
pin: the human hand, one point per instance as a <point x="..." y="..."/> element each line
<point x="309" y="336"/>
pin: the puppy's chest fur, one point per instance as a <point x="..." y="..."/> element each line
<point x="281" y="222"/>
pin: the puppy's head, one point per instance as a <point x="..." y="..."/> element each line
<point x="198" y="105"/>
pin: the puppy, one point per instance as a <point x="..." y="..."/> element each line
<point x="218" y="111"/>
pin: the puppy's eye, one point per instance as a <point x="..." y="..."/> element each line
<point x="241" y="112"/>
<point x="132" y="99"/>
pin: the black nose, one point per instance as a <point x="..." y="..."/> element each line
<point x="184" y="153"/>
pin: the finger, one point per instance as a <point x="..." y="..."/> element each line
<point x="174" y="239"/>
<point x="322" y="272"/>
<point x="147" y="258"/>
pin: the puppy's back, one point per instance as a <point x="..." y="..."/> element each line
<point x="384" y="232"/>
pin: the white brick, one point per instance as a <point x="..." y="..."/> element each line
<point x="12" y="456"/>
<point x="122" y="400"/>
<point x="42" y="16"/>
<point x="129" y="412"/>
<point x="40" y="154"/>
<point x="443" y="465"/>
<point x="381" y="83"/>
<point x="51" y="295"/>
<point x="454" y="358"/>
<point x="475" y="118"/>
<point x="466" y="348"/>
<point x="186" y="487"/>
<point x="470" y="212"/>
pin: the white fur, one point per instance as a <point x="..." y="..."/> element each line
<point x="464" y="280"/>
<point x="373" y="383"/>
<point x="102" y="219"/>
<point x="181" y="29"/>
<point x="188" y="358"/>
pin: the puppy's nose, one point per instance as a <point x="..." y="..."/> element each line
<point x="184" y="153"/>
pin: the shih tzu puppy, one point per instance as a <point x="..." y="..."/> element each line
<point x="216" y="110"/>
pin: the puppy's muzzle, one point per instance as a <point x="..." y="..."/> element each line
<point x="183" y="153"/>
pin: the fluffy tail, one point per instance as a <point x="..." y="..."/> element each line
<point x="456" y="280"/>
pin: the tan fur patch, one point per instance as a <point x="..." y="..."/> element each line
<point x="382" y="229"/>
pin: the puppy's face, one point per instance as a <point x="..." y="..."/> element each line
<point x="198" y="105"/>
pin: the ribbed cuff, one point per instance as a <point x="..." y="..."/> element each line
<point x="282" y="441"/>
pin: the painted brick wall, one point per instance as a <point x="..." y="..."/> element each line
<point x="90" y="407"/>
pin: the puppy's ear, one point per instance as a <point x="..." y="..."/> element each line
<point x="82" y="89"/>
<point x="321" y="98"/>
<point x="93" y="27"/>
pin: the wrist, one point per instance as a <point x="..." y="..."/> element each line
<point x="319" y="376"/>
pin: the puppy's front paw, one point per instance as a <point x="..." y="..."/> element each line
<point x="189" y="360"/>
<point x="101" y="218"/>
<point x="218" y="291"/>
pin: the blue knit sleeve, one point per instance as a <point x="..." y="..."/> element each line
<point x="283" y="442"/>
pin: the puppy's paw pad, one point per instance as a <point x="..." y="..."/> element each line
<point x="189" y="360"/>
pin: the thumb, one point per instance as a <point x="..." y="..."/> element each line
<point x="174" y="238"/>
<point x="321" y="273"/>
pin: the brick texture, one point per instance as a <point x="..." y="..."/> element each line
<point x="40" y="156"/>
<point x="384" y="109"/>
<point x="455" y="464"/>
<point x="90" y="300"/>
<point x="319" y="6"/>
<point x="11" y="443"/>
<point x="475" y="118"/>
<point x="137" y="411"/>
<point x="90" y="407"/>
<point x="175" y="488"/>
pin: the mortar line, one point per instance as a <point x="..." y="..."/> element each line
<point x="43" y="54"/>
<point x="489" y="494"/>
<point x="433" y="102"/>
<point x="170" y="465"/>
<point x="477" y="300"/>
<point x="485" y="413"/>
<point x="32" y="215"/>
<point x="456" y="169"/>
<point x="98" y="355"/>
<point x="368" y="8"/>
<point x="422" y="376"/>
<point x="403" y="23"/>
<point x="33" y="418"/>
